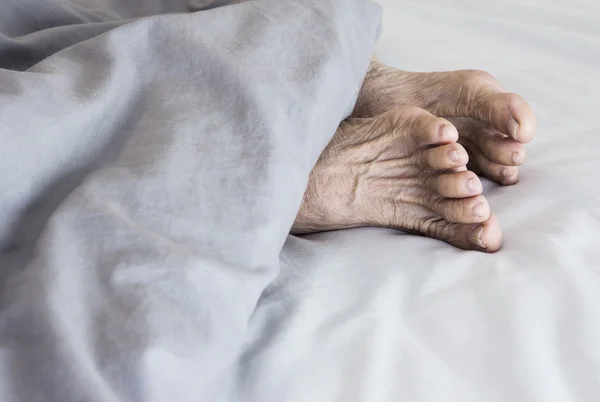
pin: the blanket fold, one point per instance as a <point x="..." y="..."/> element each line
<point x="152" y="168"/>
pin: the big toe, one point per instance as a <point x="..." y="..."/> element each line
<point x="509" y="113"/>
<point x="480" y="96"/>
<point x="486" y="236"/>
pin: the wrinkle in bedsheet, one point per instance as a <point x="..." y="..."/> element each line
<point x="447" y="325"/>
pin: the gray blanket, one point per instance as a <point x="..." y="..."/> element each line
<point x="153" y="155"/>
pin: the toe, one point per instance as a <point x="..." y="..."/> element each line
<point x="438" y="131"/>
<point x="508" y="113"/>
<point x="456" y="184"/>
<point x="501" y="174"/>
<point x="496" y="146"/>
<point x="480" y="96"/>
<point x="443" y="157"/>
<point x="415" y="126"/>
<point x="500" y="149"/>
<point x="486" y="236"/>
<point x="430" y="130"/>
<point x="467" y="210"/>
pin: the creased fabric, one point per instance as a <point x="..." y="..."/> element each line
<point x="376" y="315"/>
<point x="153" y="159"/>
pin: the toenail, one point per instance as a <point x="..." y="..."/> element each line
<point x="472" y="186"/>
<point x="443" y="131"/>
<point x="516" y="158"/>
<point x="505" y="172"/>
<point x="479" y="210"/>
<point x="513" y="128"/>
<point x="453" y="155"/>
<point x="476" y="236"/>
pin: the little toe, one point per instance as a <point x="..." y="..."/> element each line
<point x="467" y="210"/>
<point x="415" y="125"/>
<point x="437" y="131"/>
<point x="443" y="157"/>
<point x="501" y="174"/>
<point x="456" y="184"/>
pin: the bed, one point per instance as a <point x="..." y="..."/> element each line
<point x="378" y="315"/>
<point x="132" y="269"/>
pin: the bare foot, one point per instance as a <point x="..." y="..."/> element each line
<point x="402" y="169"/>
<point x="493" y="125"/>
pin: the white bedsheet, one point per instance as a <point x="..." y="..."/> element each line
<point x="375" y="315"/>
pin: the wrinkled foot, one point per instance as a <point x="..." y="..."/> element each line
<point x="402" y="169"/>
<point x="493" y="125"/>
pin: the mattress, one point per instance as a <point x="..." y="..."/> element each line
<point x="378" y="315"/>
<point x="148" y="186"/>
